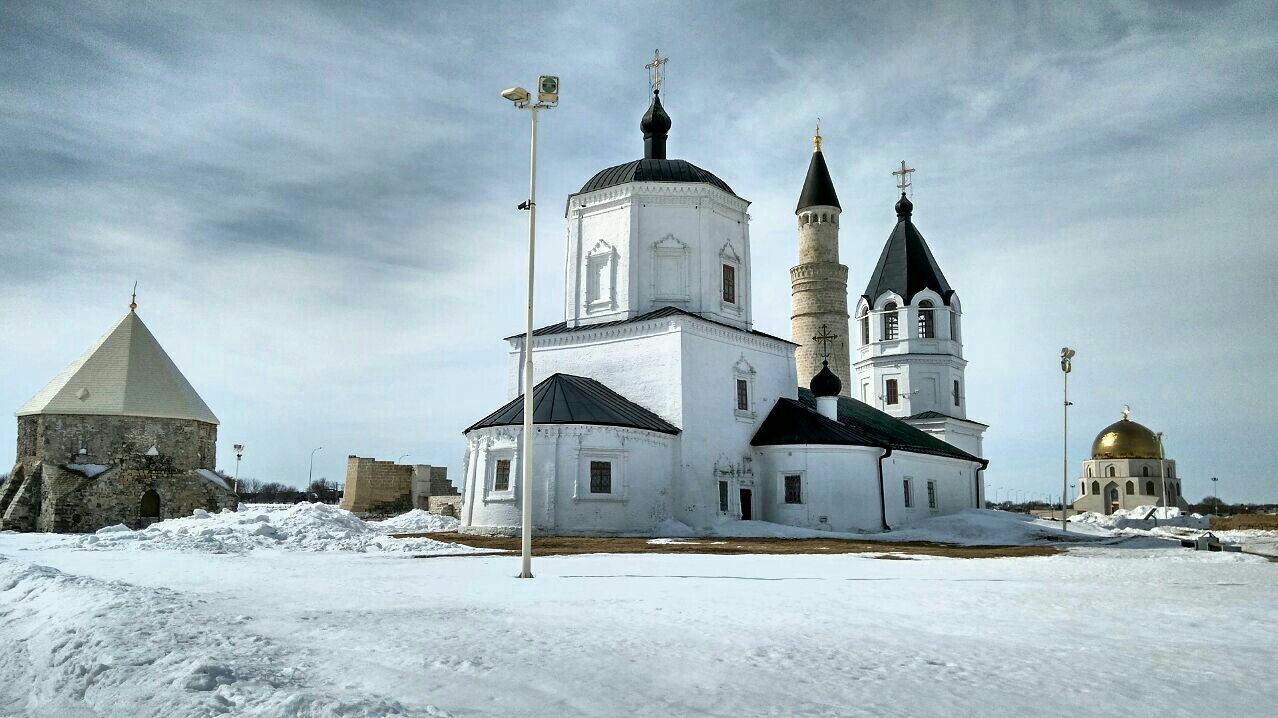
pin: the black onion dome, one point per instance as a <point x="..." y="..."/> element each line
<point x="655" y="121"/>
<point x="653" y="170"/>
<point x="904" y="207"/>
<point x="826" y="382"/>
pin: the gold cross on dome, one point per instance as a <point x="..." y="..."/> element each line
<point x="824" y="339"/>
<point x="903" y="176"/>
<point x="655" y="70"/>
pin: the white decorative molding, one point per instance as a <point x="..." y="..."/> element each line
<point x="670" y="270"/>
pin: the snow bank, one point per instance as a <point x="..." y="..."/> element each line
<point x="78" y="646"/>
<point x="416" y="521"/>
<point x="300" y="527"/>
<point x="1137" y="518"/>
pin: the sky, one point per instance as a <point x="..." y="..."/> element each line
<point x="317" y="201"/>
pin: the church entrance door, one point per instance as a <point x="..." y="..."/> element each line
<point x="747" y="505"/>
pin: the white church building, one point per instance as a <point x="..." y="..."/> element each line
<point x="656" y="401"/>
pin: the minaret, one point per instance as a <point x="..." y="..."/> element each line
<point x="819" y="284"/>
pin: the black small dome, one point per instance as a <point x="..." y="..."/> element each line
<point x="655" y="121"/>
<point x="825" y="383"/>
<point x="904" y="207"/>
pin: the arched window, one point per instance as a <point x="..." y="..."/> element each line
<point x="1144" y="471"/>
<point x="1149" y="488"/>
<point x="1109" y="471"/>
<point x="1131" y="488"/>
<point x="1095" y="487"/>
<point x="1170" y="473"/>
<point x="954" y="336"/>
<point x="864" y="319"/>
<point x="1082" y="487"/>
<point x="1089" y="472"/>
<point x="927" y="327"/>
<point x="890" y="320"/>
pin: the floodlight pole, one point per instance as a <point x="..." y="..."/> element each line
<point x="311" y="471"/>
<point x="1162" y="469"/>
<point x="1215" y="500"/>
<point x="239" y="454"/>
<point x="526" y="458"/>
<point x="1067" y="363"/>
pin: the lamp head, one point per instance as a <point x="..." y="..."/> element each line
<point x="515" y="94"/>
<point x="548" y="89"/>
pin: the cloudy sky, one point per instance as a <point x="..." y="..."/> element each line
<point x="318" y="200"/>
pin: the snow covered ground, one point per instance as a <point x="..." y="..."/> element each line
<point x="1110" y="628"/>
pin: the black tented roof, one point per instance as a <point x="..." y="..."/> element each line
<point x="569" y="399"/>
<point x="818" y="188"/>
<point x="653" y="170"/>
<point x="906" y="266"/>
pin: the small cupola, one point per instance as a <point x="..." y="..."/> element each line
<point x="825" y="387"/>
<point x="656" y="128"/>
<point x="904" y="208"/>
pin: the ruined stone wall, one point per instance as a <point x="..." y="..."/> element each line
<point x="444" y="505"/>
<point x="377" y="487"/>
<point x="60" y="439"/>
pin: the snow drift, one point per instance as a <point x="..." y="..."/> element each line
<point x="301" y="527"/>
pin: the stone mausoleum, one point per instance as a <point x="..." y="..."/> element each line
<point x="380" y="488"/>
<point x="1128" y="469"/>
<point x="118" y="437"/>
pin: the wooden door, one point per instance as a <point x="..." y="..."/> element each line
<point x="747" y="507"/>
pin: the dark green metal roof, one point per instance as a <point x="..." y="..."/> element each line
<point x="906" y="266"/>
<point x="653" y="170"/>
<point x="569" y="399"/>
<point x="658" y="313"/>
<point x="818" y="188"/>
<point x="797" y="422"/>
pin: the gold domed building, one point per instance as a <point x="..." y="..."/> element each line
<point x="1127" y="469"/>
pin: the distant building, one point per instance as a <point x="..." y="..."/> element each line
<point x="376" y="488"/>
<point x="118" y="437"/>
<point x="1127" y="469"/>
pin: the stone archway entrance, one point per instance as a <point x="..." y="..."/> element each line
<point x="1112" y="500"/>
<point x="149" y="508"/>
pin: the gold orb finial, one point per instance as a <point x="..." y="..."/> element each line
<point x="816" y="138"/>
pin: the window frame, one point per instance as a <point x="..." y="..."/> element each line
<point x="724" y="493"/>
<point x="891" y="324"/>
<point x="926" y="322"/>
<point x="933" y="496"/>
<point x="906" y="485"/>
<point x="957" y="394"/>
<point x="728" y="284"/>
<point x="595" y="464"/>
<point x="891" y="392"/>
<point x="583" y="484"/>
<point x="742" y="393"/>
<point x="786" y="478"/>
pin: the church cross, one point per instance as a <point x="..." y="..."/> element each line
<point x="903" y="176"/>
<point x="655" y="70"/>
<point x="824" y="339"/>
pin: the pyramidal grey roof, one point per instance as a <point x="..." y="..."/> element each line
<point x="906" y="265"/>
<point x="125" y="373"/>
<point x="818" y="188"/>
<point x="568" y="399"/>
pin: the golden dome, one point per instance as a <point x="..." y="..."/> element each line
<point x="1125" y="439"/>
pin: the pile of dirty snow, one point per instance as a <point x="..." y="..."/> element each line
<point x="300" y="527"/>
<point x="416" y="521"/>
<point x="1143" y="517"/>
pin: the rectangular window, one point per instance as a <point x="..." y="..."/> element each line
<point x="743" y="395"/>
<point x="501" y="475"/>
<point x="931" y="495"/>
<point x="865" y="331"/>
<point x="601" y="477"/>
<point x="729" y="284"/>
<point x="953" y="326"/>
<point x="909" y="495"/>
<point x="956" y="392"/>
<point x="892" y="395"/>
<point x="793" y="489"/>
<point x="723" y="496"/>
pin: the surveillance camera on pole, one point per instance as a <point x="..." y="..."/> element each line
<point x="547" y="97"/>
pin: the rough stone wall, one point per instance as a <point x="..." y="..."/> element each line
<point x="377" y="487"/>
<point x="52" y="497"/>
<point x="819" y="295"/>
<point x="60" y="439"/>
<point x="444" y="505"/>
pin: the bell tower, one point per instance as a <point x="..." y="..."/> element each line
<point x="819" y="284"/>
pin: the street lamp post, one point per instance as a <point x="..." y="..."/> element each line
<point x="239" y="454"/>
<point x="1162" y="469"/>
<point x="547" y="97"/>
<point x="1215" y="500"/>
<point x="1067" y="363"/>
<point x="401" y="458"/>
<point x="311" y="471"/>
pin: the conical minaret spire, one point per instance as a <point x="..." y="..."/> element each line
<point x="819" y="283"/>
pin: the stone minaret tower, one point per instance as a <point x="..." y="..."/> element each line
<point x="819" y="284"/>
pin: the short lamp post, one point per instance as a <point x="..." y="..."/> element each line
<point x="239" y="454"/>
<point x="547" y="97"/>
<point x="1067" y="363"/>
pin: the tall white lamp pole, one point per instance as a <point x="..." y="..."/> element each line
<point x="311" y="471"/>
<point x="1067" y="359"/>
<point x="1162" y="469"/>
<point x="547" y="97"/>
